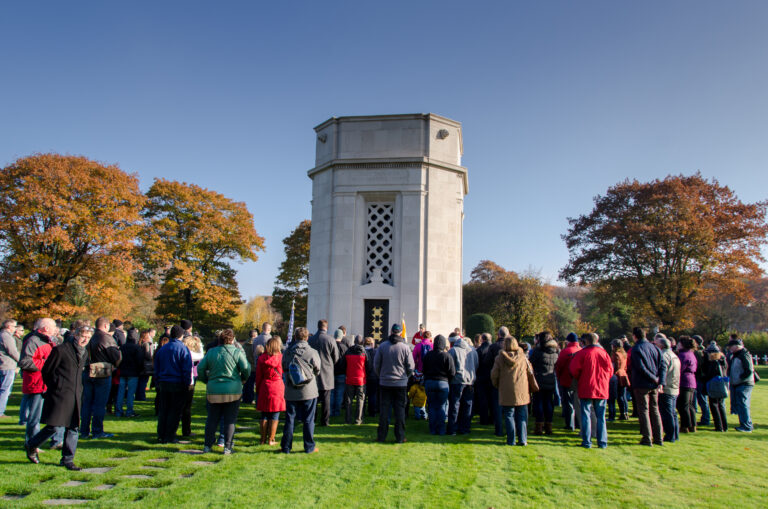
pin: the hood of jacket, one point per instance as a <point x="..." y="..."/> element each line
<point x="356" y="350"/>
<point x="394" y="338"/>
<point x="460" y="343"/>
<point x="512" y="358"/>
<point x="550" y="346"/>
<point x="273" y="361"/>
<point x="440" y="343"/>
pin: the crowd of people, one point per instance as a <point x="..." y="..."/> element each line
<point x="72" y="378"/>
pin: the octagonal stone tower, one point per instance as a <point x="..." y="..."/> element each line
<point x="387" y="212"/>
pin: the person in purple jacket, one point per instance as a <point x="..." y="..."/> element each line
<point x="685" y="400"/>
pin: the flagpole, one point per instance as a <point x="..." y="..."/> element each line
<point x="290" y="323"/>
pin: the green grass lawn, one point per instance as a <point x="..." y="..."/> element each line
<point x="705" y="469"/>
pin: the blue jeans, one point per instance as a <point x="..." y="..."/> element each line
<point x="95" y="396"/>
<point x="34" y="404"/>
<point x="701" y="399"/>
<point x="437" y="396"/>
<point x="305" y="412"/>
<point x="337" y="395"/>
<point x="460" y="408"/>
<point x="419" y="413"/>
<point x="742" y="396"/>
<point x="586" y="424"/>
<point x="669" y="422"/>
<point x="516" y="423"/>
<point x="6" y="384"/>
<point x="129" y="383"/>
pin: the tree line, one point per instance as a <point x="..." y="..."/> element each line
<point x="79" y="238"/>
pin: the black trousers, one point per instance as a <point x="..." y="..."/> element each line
<point x="171" y="403"/>
<point x="483" y="400"/>
<point x="70" y="441"/>
<point x="324" y="398"/>
<point x="186" y="413"/>
<point x="392" y="398"/>
<point x="226" y="413"/>
<point x="372" y="393"/>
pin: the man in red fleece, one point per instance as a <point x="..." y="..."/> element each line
<point x="592" y="368"/>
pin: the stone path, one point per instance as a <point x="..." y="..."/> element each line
<point x="153" y="468"/>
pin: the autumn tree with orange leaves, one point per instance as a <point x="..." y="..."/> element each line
<point x="668" y="245"/>
<point x="66" y="224"/>
<point x="191" y="234"/>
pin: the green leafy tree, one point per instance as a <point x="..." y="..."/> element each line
<point x="521" y="302"/>
<point x="190" y="237"/>
<point x="564" y="316"/>
<point x="293" y="280"/>
<point x="480" y="323"/>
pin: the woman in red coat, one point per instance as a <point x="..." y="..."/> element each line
<point x="270" y="388"/>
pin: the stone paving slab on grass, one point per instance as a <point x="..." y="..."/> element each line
<point x="97" y="470"/>
<point x="72" y="484"/>
<point x="159" y="460"/>
<point x="65" y="501"/>
<point x="137" y="476"/>
<point x="204" y="463"/>
<point x="191" y="451"/>
<point x="104" y="487"/>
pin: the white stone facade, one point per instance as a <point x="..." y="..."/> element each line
<point x="387" y="213"/>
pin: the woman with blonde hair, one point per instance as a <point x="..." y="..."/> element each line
<point x="195" y="347"/>
<point x="510" y="375"/>
<point x="270" y="389"/>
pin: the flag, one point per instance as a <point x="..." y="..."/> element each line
<point x="403" y="334"/>
<point x="290" y="322"/>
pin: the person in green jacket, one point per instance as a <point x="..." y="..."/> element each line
<point x="223" y="370"/>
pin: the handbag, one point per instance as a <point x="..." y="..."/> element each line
<point x="98" y="369"/>
<point x="533" y="386"/>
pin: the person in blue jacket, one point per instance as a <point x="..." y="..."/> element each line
<point x="173" y="371"/>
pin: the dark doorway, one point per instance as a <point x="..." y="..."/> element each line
<point x="376" y="319"/>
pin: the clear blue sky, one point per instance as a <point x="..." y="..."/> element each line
<point x="558" y="100"/>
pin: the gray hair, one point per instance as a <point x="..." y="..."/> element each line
<point x="503" y="332"/>
<point x="9" y="323"/>
<point x="663" y="341"/>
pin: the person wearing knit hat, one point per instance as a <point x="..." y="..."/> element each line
<point x="572" y="337"/>
<point x="742" y="378"/>
<point x="716" y="385"/>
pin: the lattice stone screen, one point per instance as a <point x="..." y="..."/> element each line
<point x="378" y="244"/>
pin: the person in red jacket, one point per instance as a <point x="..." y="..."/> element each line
<point x="356" y="363"/>
<point x="568" y="394"/>
<point x="270" y="389"/>
<point x="592" y="368"/>
<point x="34" y="352"/>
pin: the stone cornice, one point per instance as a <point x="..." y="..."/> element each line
<point x="405" y="162"/>
<point x="404" y="116"/>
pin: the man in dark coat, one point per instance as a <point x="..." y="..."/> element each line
<point x="102" y="348"/>
<point x="326" y="348"/>
<point x="62" y="374"/>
